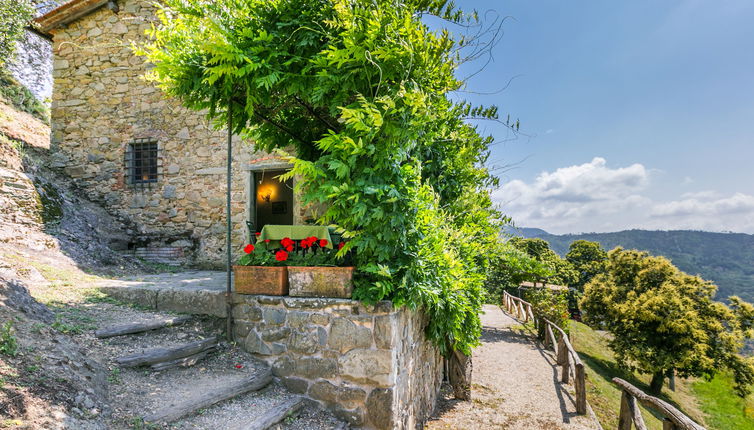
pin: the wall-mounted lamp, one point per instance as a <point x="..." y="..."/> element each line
<point x="266" y="193"/>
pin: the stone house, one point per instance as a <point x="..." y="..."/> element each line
<point x="144" y="157"/>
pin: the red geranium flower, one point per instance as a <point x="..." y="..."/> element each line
<point x="323" y="243"/>
<point x="248" y="248"/>
<point x="286" y="241"/>
<point x="258" y="233"/>
<point x="341" y="245"/>
<point x="281" y="255"/>
<point x="289" y="248"/>
<point x="267" y="241"/>
<point x="304" y="243"/>
<point x="239" y="366"/>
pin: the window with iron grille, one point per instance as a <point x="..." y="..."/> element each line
<point x="142" y="162"/>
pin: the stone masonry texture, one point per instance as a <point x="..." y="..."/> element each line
<point x="101" y="102"/>
<point x="372" y="366"/>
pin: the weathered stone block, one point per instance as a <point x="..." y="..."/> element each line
<point x="283" y="366"/>
<point x="380" y="407"/>
<point x="274" y="334"/>
<point x="345" y="335"/>
<point x="383" y="332"/>
<point x="367" y="365"/>
<point x="306" y="342"/>
<point x="296" y="385"/>
<point x="320" y="319"/>
<point x="313" y="367"/>
<point x="324" y="391"/>
<point x="351" y="397"/>
<point x="297" y="320"/>
<point x="273" y="316"/>
<point x="203" y="302"/>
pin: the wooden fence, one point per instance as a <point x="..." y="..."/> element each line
<point x="566" y="356"/>
<point x="673" y="419"/>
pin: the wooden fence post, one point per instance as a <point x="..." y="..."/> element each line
<point x="624" y="417"/>
<point x="562" y="352"/>
<point x="580" y="384"/>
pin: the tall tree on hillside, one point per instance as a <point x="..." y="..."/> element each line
<point x="562" y="272"/>
<point x="663" y="320"/>
<point x="588" y="258"/>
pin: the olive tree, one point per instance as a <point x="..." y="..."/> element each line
<point x="663" y="320"/>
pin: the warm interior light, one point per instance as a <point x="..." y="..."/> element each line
<point x="266" y="193"/>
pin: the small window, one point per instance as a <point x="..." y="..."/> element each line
<point x="142" y="162"/>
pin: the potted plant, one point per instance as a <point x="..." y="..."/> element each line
<point x="261" y="271"/>
<point x="314" y="270"/>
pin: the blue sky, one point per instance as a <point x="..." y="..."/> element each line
<point x="637" y="114"/>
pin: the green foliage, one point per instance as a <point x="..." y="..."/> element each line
<point x="549" y="304"/>
<point x="724" y="258"/>
<point x="588" y="259"/>
<point x="561" y="271"/>
<point x="663" y="320"/>
<point x="358" y="91"/>
<point x="14" y="17"/>
<point x="509" y="268"/>
<point x="18" y="96"/>
<point x="8" y="343"/>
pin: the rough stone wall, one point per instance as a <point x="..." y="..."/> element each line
<point x="371" y="366"/>
<point x="32" y="65"/>
<point x="101" y="103"/>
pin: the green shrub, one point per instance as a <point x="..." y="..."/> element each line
<point x="18" y="96"/>
<point x="8" y="343"/>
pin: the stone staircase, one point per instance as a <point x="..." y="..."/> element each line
<point x="168" y="372"/>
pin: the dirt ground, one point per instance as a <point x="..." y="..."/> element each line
<point x="515" y="385"/>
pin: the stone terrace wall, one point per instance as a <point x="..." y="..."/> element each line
<point x="101" y="103"/>
<point x="372" y="366"/>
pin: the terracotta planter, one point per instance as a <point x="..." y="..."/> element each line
<point x="267" y="280"/>
<point x="320" y="281"/>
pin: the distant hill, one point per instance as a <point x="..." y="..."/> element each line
<point x="727" y="259"/>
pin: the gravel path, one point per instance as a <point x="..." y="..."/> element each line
<point x="514" y="385"/>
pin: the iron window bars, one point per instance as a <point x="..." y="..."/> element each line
<point x="143" y="164"/>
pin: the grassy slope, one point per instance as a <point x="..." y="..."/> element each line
<point x="710" y="403"/>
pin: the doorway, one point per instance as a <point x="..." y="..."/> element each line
<point x="273" y="202"/>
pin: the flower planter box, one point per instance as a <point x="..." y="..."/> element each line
<point x="266" y="280"/>
<point x="320" y="281"/>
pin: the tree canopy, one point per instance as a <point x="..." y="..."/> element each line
<point x="560" y="271"/>
<point x="588" y="259"/>
<point x="663" y="320"/>
<point x="356" y="93"/>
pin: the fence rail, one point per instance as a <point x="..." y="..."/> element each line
<point x="567" y="357"/>
<point x="673" y="419"/>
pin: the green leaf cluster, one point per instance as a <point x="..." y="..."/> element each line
<point x="15" y="15"/>
<point x="559" y="271"/>
<point x="663" y="320"/>
<point x="588" y="259"/>
<point x="509" y="268"/>
<point x="358" y="92"/>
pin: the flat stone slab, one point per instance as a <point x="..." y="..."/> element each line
<point x="194" y="292"/>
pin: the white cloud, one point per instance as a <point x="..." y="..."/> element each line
<point x="736" y="204"/>
<point x="595" y="197"/>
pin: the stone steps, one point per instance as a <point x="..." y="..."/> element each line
<point x="227" y="388"/>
